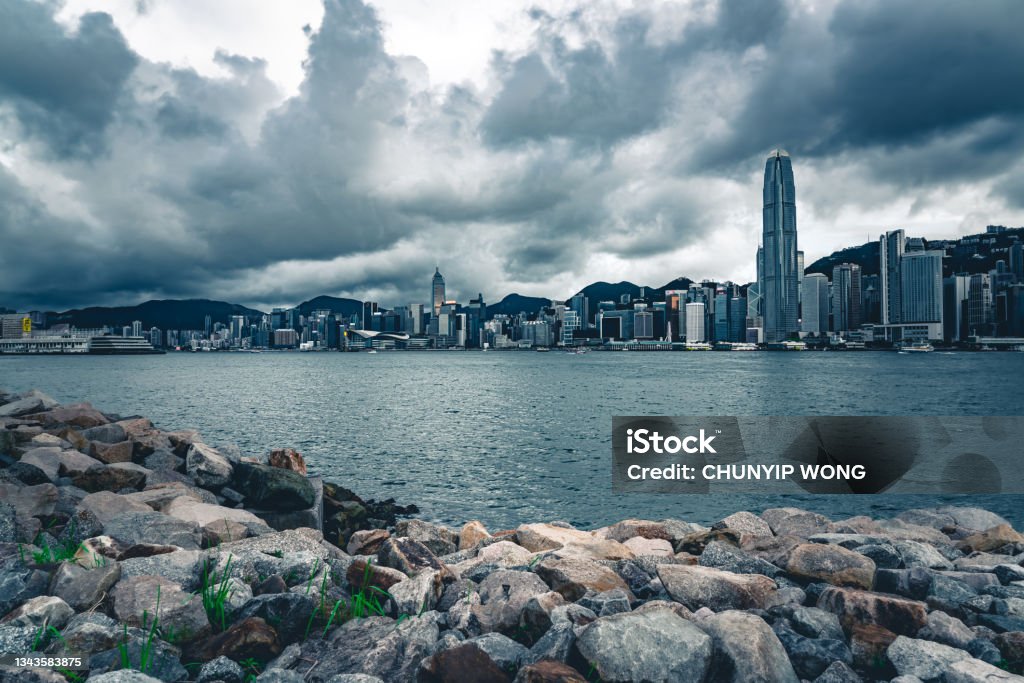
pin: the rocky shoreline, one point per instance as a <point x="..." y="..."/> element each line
<point x="152" y="555"/>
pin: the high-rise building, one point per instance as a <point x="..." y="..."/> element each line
<point x="437" y="291"/>
<point x="136" y="328"/>
<point x="921" y="286"/>
<point x="954" y="307"/>
<point x="815" y="304"/>
<point x="891" y="247"/>
<point x="846" y="297"/>
<point x="779" y="291"/>
<point x="643" y="324"/>
<point x="695" y="322"/>
<point x="570" y="324"/>
<point x="1017" y="260"/>
<point x="581" y="305"/>
<point x="979" y="305"/>
<point x="414" y="319"/>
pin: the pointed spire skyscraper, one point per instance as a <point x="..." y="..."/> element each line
<point x="780" y="277"/>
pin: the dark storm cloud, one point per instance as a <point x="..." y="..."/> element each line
<point x="893" y="75"/>
<point x="612" y="135"/>
<point x="65" y="88"/>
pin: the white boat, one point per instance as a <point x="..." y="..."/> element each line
<point x="917" y="348"/>
<point x="372" y="351"/>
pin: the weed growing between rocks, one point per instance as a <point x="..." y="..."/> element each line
<point x="216" y="594"/>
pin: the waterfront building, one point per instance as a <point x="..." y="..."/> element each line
<point x="891" y="248"/>
<point x="1017" y="260"/>
<point x="570" y="324"/>
<point x="954" y="307"/>
<point x="643" y="323"/>
<point x="695" y="322"/>
<point x="581" y="305"/>
<point x="846" y="297"/>
<point x="779" y="243"/>
<point x="921" y="286"/>
<point x="286" y="338"/>
<point x="815" y="305"/>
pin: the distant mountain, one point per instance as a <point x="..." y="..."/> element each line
<point x="865" y="256"/>
<point x="606" y="291"/>
<point x="682" y="283"/>
<point x="343" y="308"/>
<point x="517" y="303"/>
<point x="169" y="314"/>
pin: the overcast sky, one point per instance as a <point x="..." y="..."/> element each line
<point x="266" y="152"/>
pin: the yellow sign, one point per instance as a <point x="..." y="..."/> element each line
<point x="26" y="325"/>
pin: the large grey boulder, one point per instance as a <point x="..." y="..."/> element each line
<point x="922" y="658"/>
<point x="138" y="600"/>
<point x="503" y="597"/>
<point x="143" y="527"/>
<point x="697" y="587"/>
<point x="207" y="466"/>
<point x="746" y="649"/>
<point x="272" y="488"/>
<point x="656" y="645"/>
<point x="45" y="610"/>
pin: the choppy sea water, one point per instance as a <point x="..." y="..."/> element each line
<point x="510" y="437"/>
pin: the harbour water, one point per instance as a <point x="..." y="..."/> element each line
<point x="507" y="437"/>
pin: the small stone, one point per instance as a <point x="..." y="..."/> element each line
<point x="549" y="671"/>
<point x="287" y="459"/>
<point x="362" y="574"/>
<point x="747" y="523"/>
<point x="503" y="597"/>
<point x="111" y="453"/>
<point x="948" y="630"/>
<point x="220" y="669"/>
<point x="249" y="638"/>
<point x="418" y="594"/>
<point x="796" y="522"/>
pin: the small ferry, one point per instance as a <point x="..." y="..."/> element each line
<point x="917" y="348"/>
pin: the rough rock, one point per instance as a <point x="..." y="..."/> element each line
<point x="649" y="546"/>
<point x="207" y="466"/>
<point x="656" y="645"/>
<point x="796" y="522"/>
<point x="184" y="567"/>
<point x="503" y="596"/>
<point x="832" y="564"/>
<point x="727" y="557"/>
<point x="549" y="671"/>
<point x="408" y="556"/>
<point x="289" y="613"/>
<point x="976" y="671"/>
<point x="107" y="433"/>
<point x="136" y="604"/>
<point x="122" y="475"/>
<point x="697" y="587"/>
<point x="367" y="542"/>
<point x="362" y="574"/>
<point x="418" y="594"/>
<point x="746" y="649"/>
<point x="111" y="453"/>
<point x="250" y="638"/>
<point x="287" y="459"/>
<point x="899" y="615"/>
<point x="42" y="611"/>
<point x="107" y="505"/>
<point x="948" y="630"/>
<point x="471" y="534"/>
<point x="991" y="539"/>
<point x="272" y="488"/>
<point x="141" y="527"/>
<point x="573" y="577"/>
<point x="440" y="540"/>
<point x="220" y="669"/>
<point x="538" y="537"/>
<point x="376" y="646"/>
<point x="83" y="588"/>
<point x="922" y="658"/>
<point x="747" y="523"/>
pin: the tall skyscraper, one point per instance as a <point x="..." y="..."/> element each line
<point x="846" y="297"/>
<point x="780" y="290"/>
<point x="921" y="286"/>
<point x="815" y="304"/>
<point x="1017" y="260"/>
<point x="891" y="247"/>
<point x="437" y="291"/>
<point x="695" y="322"/>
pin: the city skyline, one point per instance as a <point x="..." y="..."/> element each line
<point x="278" y="154"/>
